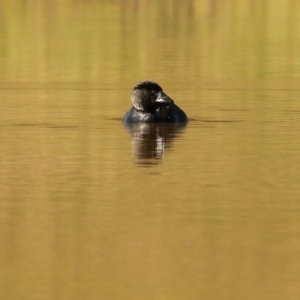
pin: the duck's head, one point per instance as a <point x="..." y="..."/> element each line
<point x="147" y="96"/>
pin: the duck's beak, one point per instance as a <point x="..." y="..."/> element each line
<point x="162" y="98"/>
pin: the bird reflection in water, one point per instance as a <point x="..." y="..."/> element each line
<point x="149" y="141"/>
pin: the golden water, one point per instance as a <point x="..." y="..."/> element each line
<point x="90" y="209"/>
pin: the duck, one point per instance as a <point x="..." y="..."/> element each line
<point x="152" y="105"/>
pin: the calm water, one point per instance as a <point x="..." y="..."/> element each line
<point x="91" y="209"/>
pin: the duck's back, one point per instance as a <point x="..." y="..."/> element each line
<point x="169" y="114"/>
<point x="176" y="115"/>
<point x="136" y="116"/>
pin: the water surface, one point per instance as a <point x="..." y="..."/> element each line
<point x="93" y="209"/>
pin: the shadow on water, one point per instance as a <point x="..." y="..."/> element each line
<point x="150" y="141"/>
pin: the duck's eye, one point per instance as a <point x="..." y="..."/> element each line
<point x="152" y="92"/>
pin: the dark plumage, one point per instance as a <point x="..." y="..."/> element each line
<point x="151" y="104"/>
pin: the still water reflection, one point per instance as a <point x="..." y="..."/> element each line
<point x="90" y="209"/>
<point x="150" y="141"/>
